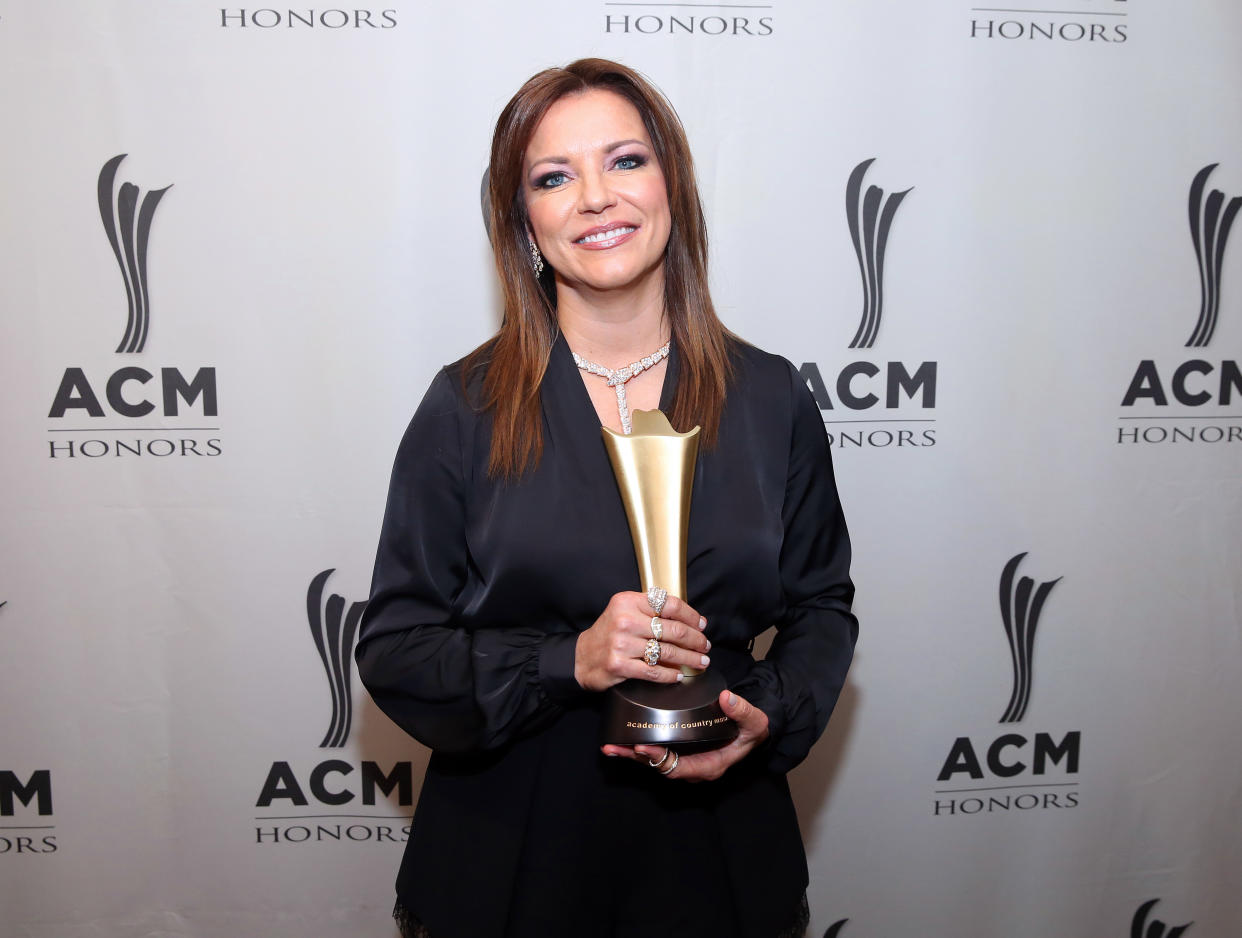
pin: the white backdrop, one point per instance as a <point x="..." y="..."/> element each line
<point x="320" y="248"/>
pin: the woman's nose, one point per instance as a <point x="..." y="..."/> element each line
<point x="595" y="195"/>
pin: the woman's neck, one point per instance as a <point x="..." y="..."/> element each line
<point x="613" y="327"/>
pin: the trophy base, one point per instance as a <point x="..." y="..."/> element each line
<point x="685" y="715"/>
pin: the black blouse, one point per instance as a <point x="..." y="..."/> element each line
<point x="481" y="588"/>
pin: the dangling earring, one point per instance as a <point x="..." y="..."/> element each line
<point x="536" y="259"/>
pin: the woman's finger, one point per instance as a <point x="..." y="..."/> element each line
<point x="633" y="660"/>
<point x="688" y="637"/>
<point x="708" y="766"/>
<point x="662" y="759"/>
<point x="675" y="609"/>
<point x="676" y="633"/>
<point x="627" y="752"/>
<point x="752" y="722"/>
<point x="656" y="674"/>
<point x="670" y="655"/>
<point x="673" y="657"/>
<point x="655" y="757"/>
<point x="628" y="660"/>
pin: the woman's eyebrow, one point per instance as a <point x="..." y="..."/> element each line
<point x="562" y="160"/>
<point x="624" y="143"/>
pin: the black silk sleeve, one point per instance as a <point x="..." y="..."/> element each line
<point x="451" y="688"/>
<point x="798" y="683"/>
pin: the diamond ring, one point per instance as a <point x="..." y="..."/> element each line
<point x="656" y="598"/>
<point x="657" y="627"/>
<point x="652" y="653"/>
<point x="669" y="770"/>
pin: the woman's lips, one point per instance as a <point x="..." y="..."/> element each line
<point x="603" y="238"/>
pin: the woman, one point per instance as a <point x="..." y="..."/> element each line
<point x="503" y="601"/>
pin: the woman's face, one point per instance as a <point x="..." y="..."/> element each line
<point x="595" y="194"/>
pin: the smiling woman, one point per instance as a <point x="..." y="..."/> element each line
<point x="668" y="301"/>
<point x="504" y="600"/>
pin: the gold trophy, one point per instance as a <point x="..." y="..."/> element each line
<point x="654" y="466"/>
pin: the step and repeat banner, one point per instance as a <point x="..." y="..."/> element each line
<point x="238" y="241"/>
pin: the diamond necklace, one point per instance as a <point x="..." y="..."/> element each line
<point x="617" y="377"/>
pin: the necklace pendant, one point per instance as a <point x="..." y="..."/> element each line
<point x="617" y="377"/>
<point x="623" y="408"/>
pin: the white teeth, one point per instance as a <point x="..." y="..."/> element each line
<point x="605" y="235"/>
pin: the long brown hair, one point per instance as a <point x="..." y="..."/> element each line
<point x="515" y="359"/>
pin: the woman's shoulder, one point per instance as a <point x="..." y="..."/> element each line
<point x="447" y="418"/>
<point x="757" y="370"/>
<point x="460" y="384"/>
<point x="770" y="396"/>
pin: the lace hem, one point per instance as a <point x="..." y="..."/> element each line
<point x="407" y="924"/>
<point x="801" y="922"/>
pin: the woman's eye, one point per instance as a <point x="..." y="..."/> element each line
<point x="630" y="162"/>
<point x="550" y="180"/>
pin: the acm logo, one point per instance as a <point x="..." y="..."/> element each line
<point x="1007" y="761"/>
<point x="850" y="394"/>
<point x="1141" y="928"/>
<point x="1181" y="391"/>
<point x="132" y="392"/>
<point x="34" y="795"/>
<point x="333" y="624"/>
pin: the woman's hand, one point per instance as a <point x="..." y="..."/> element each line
<point x="706" y="766"/>
<point x="612" y="649"/>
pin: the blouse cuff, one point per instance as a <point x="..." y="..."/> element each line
<point x="557" y="657"/>
<point x="785" y="746"/>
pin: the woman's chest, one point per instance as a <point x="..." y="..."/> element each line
<point x="557" y="545"/>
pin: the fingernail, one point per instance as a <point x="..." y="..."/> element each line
<point x="680" y="676"/>
<point x="709" y="644"/>
<point x="702" y="623"/>
<point x="732" y="700"/>
<point x="705" y="660"/>
<point x="611" y="755"/>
